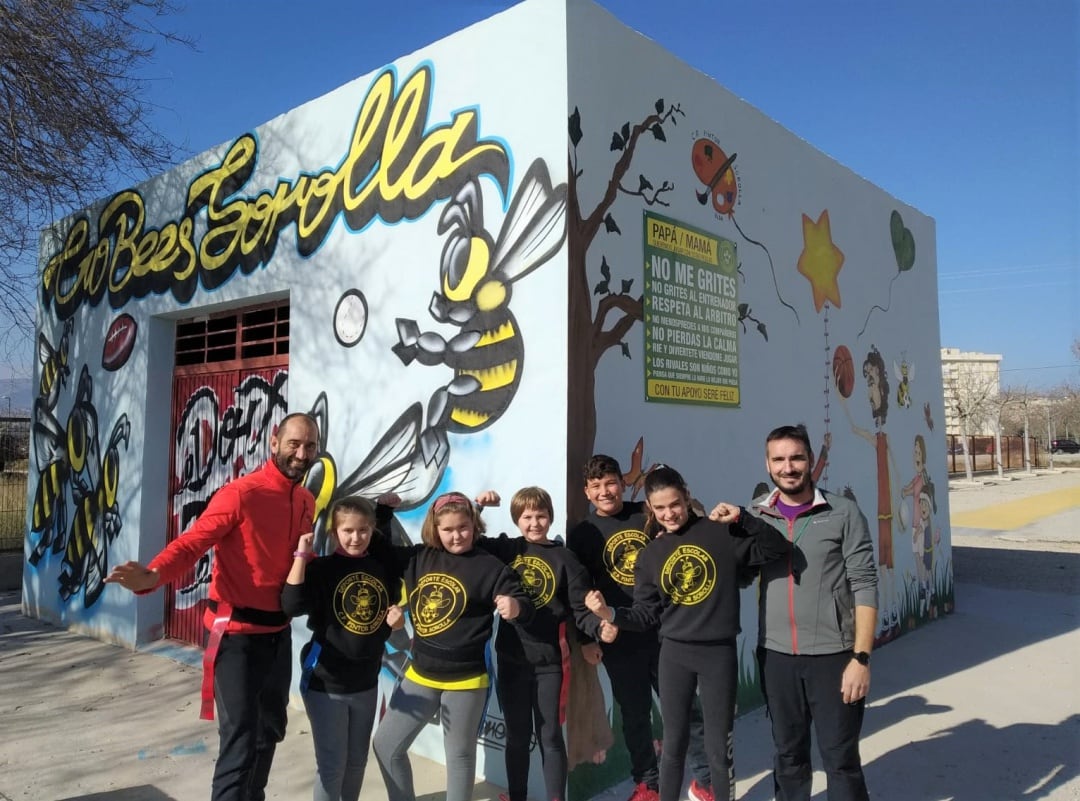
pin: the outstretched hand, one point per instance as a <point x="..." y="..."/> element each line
<point x="133" y="576"/>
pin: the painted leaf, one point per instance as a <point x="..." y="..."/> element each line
<point x="617" y="142"/>
<point x="658" y="132"/>
<point x="626" y="284"/>
<point x="610" y="225"/>
<point x="575" y="127"/>
<point x="660" y="106"/>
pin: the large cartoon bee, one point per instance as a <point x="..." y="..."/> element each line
<point x="905" y="374"/>
<point x="54" y="365"/>
<point x="477" y="283"/>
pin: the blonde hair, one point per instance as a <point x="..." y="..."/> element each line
<point x="531" y="498"/>
<point x="449" y="502"/>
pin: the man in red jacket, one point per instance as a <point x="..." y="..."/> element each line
<point x="254" y="524"/>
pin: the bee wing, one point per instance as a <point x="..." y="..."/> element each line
<point x="393" y="464"/>
<point x="49" y="438"/>
<point x="535" y="225"/>
<point x="911" y="372"/>
<point x="45" y="349"/>
<point x="897" y="371"/>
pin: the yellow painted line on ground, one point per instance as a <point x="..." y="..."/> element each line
<point x="1019" y="513"/>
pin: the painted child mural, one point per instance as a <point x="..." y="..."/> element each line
<point x="877" y="390"/>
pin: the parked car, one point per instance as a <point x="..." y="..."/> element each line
<point x="1064" y="446"/>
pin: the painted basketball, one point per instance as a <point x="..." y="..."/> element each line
<point x="843" y="370"/>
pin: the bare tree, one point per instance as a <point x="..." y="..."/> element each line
<point x="976" y="393"/>
<point x="75" y="118"/>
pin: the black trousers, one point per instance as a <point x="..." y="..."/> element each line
<point x="632" y="665"/>
<point x="530" y="704"/>
<point x="685" y="670"/>
<point x="801" y="691"/>
<point x="251" y="687"/>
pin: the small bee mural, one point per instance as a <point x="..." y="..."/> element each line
<point x="905" y="374"/>
<point x="49" y="521"/>
<point x="477" y="277"/>
<point x="54" y="365"/>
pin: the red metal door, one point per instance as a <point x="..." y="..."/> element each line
<point x="227" y="401"/>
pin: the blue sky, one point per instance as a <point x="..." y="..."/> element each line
<point x="966" y="109"/>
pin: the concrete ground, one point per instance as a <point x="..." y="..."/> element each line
<point x="984" y="704"/>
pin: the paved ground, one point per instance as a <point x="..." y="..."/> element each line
<point x="984" y="704"/>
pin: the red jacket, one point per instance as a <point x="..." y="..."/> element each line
<point x="253" y="523"/>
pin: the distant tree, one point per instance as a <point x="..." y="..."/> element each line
<point x="75" y="118"/>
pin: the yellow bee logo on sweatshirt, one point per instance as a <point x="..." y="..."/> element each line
<point x="360" y="603"/>
<point x="436" y="603"/>
<point x="537" y="578"/>
<point x="621" y="553"/>
<point x="688" y="575"/>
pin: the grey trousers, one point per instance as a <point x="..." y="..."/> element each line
<point x="413" y="706"/>
<point x="341" y="732"/>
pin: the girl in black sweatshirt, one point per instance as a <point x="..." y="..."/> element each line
<point x="348" y="598"/>
<point x="686" y="583"/>
<point x="453" y="591"/>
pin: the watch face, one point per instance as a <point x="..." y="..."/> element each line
<point x="350" y="318"/>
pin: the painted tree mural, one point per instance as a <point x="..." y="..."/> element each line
<point x="593" y="331"/>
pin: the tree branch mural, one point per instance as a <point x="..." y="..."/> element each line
<point x="593" y="332"/>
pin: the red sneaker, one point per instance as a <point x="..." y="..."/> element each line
<point x="644" y="793"/>
<point x="699" y="793"/>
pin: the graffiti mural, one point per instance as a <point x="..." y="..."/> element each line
<point x="215" y="443"/>
<point x="73" y="475"/>
<point x="390" y="174"/>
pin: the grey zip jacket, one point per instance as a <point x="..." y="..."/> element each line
<point x="806" y="602"/>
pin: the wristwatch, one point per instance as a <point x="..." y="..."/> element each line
<point x="862" y="657"/>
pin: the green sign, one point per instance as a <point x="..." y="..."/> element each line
<point x="691" y="308"/>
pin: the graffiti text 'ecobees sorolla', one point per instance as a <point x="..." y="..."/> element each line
<point x="396" y="168"/>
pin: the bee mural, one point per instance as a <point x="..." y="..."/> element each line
<point x="395" y="464"/>
<point x="477" y="277"/>
<point x="905" y="374"/>
<point x="54" y="365"/>
<point x="49" y="520"/>
<point x="96" y="525"/>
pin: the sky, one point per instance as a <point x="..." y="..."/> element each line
<point x="965" y="109"/>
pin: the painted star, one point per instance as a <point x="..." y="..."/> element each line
<point x="821" y="260"/>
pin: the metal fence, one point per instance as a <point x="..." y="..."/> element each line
<point x="14" y="452"/>
<point x="984" y="455"/>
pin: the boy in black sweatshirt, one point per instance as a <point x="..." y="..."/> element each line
<point x="531" y="673"/>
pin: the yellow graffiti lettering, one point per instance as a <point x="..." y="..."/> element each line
<point x="395" y="168"/>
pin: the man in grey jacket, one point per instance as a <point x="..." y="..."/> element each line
<point x="816" y="620"/>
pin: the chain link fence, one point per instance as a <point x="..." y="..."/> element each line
<point x="14" y="454"/>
